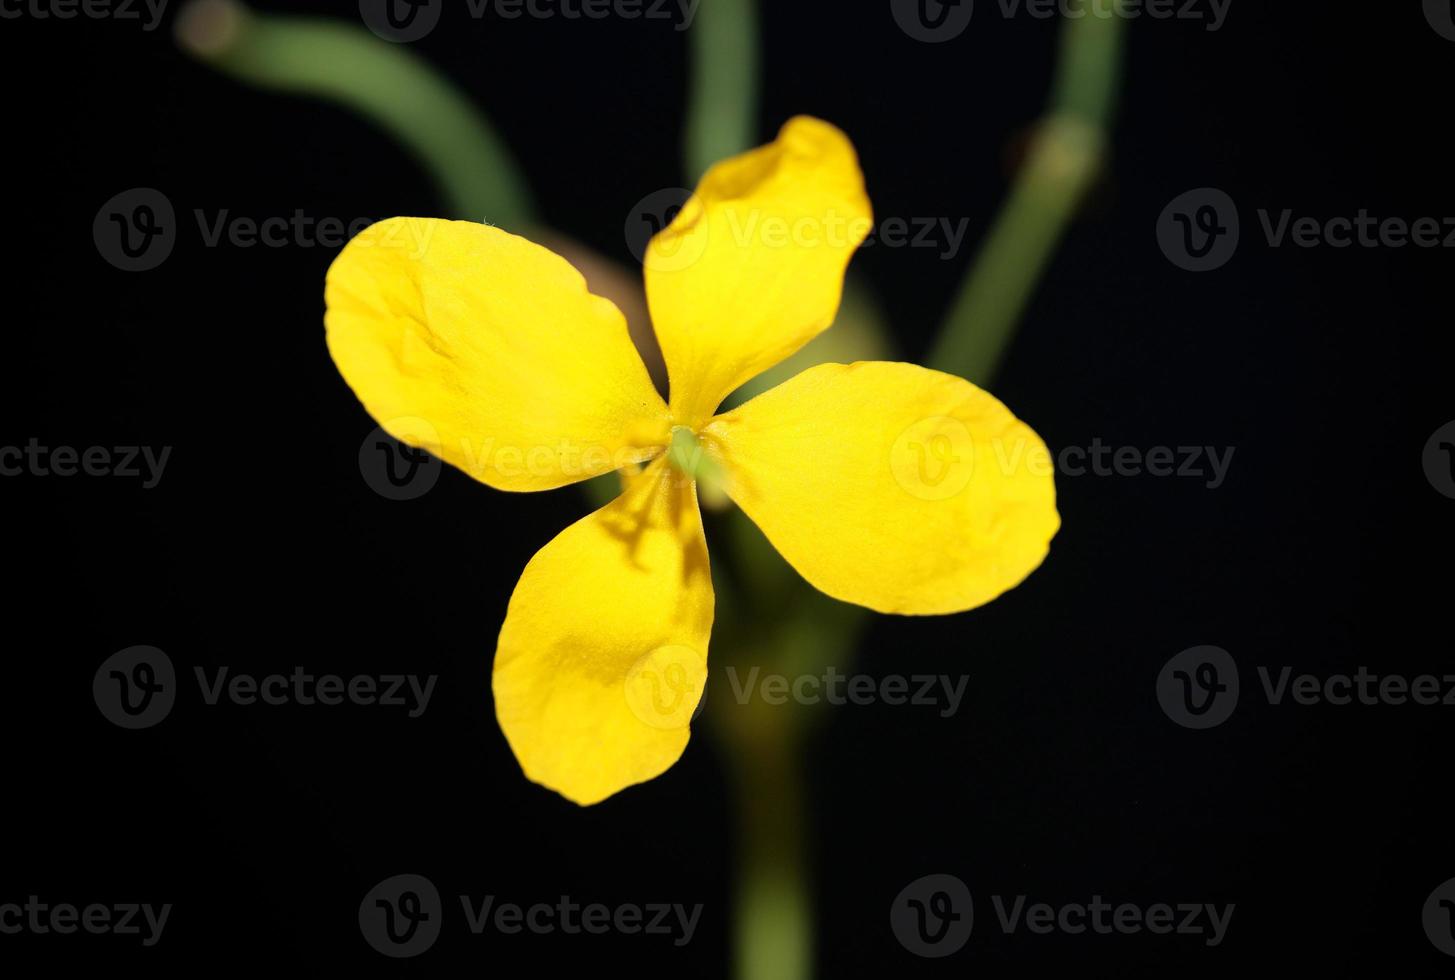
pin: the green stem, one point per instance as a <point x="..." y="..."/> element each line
<point x="773" y="928"/>
<point x="1065" y="155"/>
<point x="772" y="621"/>
<point x="722" y="109"/>
<point x="386" y="83"/>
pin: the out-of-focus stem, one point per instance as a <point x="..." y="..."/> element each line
<point x="722" y="110"/>
<point x="386" y="83"/>
<point x="772" y="621"/>
<point x="772" y="928"/>
<point x="1065" y="155"/>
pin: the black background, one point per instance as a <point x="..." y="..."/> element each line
<point x="262" y="548"/>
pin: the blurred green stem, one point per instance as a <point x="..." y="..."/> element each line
<point x="772" y="928"/>
<point x="1065" y="155"/>
<point x="771" y="621"/>
<point x="722" y="110"/>
<point x="386" y="83"/>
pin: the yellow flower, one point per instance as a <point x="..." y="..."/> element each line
<point x="884" y="484"/>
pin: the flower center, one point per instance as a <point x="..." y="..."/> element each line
<point x="685" y="453"/>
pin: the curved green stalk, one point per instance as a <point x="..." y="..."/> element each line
<point x="386" y="83"/>
<point x="1065" y="155"/>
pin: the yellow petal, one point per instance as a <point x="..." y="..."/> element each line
<point x="752" y="267"/>
<point x="603" y="655"/>
<point x="488" y="351"/>
<point x="890" y="485"/>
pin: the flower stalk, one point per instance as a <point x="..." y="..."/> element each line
<point x="385" y="83"/>
<point x="1066" y="154"/>
<point x="773" y="927"/>
<point x="722" y="111"/>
